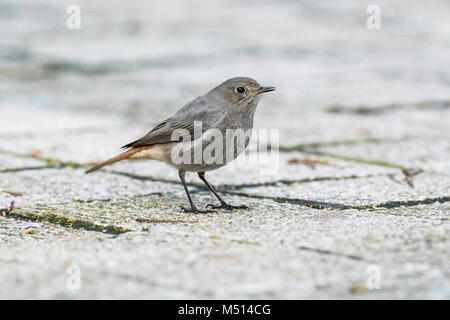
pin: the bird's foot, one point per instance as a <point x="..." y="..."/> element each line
<point x="196" y="211"/>
<point x="227" y="206"/>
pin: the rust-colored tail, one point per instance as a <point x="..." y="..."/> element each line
<point x="121" y="156"/>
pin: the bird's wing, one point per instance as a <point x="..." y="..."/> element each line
<point x="185" y="120"/>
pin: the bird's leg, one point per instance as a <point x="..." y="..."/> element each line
<point x="223" y="204"/>
<point x="193" y="208"/>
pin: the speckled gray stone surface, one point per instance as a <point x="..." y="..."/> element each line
<point x="353" y="108"/>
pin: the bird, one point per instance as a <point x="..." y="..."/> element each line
<point x="208" y="123"/>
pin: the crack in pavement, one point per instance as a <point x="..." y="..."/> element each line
<point x="293" y="181"/>
<point x="305" y="147"/>
<point x="28" y="168"/>
<point x="409" y="203"/>
<point x="301" y="202"/>
<point x="331" y="205"/>
<point x="66" y="222"/>
<point x="55" y="163"/>
<point x="367" y="110"/>
<point x="359" y="160"/>
<point x="308" y="147"/>
<point x="328" y="252"/>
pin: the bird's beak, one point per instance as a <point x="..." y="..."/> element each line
<point x="263" y="90"/>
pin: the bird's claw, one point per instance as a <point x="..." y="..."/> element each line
<point x="196" y="211"/>
<point x="227" y="206"/>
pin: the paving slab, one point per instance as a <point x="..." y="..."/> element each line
<point x="361" y="192"/>
<point x="430" y="155"/>
<point x="292" y="252"/>
<point x="52" y="186"/>
<point x="302" y="128"/>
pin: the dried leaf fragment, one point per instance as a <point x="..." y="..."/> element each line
<point x="409" y="175"/>
<point x="309" y="162"/>
<point x="9" y="210"/>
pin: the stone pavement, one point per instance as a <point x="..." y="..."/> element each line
<point x="354" y="107"/>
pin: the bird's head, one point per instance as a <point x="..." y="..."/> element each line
<point x="240" y="90"/>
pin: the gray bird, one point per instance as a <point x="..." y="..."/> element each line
<point x="207" y="123"/>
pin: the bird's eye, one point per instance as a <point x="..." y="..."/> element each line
<point x="240" y="89"/>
